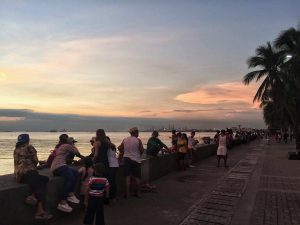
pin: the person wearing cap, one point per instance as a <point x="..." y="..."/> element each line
<point x="132" y="150"/>
<point x="60" y="168"/>
<point x="154" y="145"/>
<point x="25" y="165"/>
<point x="70" y="157"/>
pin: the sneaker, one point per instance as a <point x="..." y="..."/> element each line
<point x="73" y="199"/>
<point x="43" y="216"/>
<point x="30" y="200"/>
<point x="64" y="207"/>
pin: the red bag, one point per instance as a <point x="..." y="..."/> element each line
<point x="51" y="158"/>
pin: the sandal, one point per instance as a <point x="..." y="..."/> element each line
<point x="43" y="216"/>
<point x="30" y="200"/>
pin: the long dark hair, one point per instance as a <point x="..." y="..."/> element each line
<point x="111" y="145"/>
<point x="63" y="139"/>
<point x="185" y="136"/>
<point x="101" y="136"/>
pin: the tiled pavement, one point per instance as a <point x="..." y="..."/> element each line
<point x="276" y="199"/>
<point x="262" y="187"/>
<point x="219" y="205"/>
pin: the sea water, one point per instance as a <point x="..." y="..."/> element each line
<point x="44" y="142"/>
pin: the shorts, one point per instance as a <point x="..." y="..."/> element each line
<point x="181" y="156"/>
<point x="132" y="168"/>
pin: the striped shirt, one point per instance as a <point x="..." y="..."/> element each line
<point x="97" y="186"/>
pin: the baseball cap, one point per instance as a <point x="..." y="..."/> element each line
<point x="23" y="138"/>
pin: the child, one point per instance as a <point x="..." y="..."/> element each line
<point x="86" y="172"/>
<point x="98" y="189"/>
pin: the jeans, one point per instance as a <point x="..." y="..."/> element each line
<point x="70" y="176"/>
<point x="112" y="182"/>
<point x="95" y="207"/>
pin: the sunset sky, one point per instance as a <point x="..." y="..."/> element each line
<point x="163" y="62"/>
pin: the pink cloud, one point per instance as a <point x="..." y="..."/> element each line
<point x="218" y="94"/>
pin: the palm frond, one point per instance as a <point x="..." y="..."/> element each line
<point x="261" y="92"/>
<point x="250" y="77"/>
<point x="286" y="39"/>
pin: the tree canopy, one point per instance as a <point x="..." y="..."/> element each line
<point x="277" y="67"/>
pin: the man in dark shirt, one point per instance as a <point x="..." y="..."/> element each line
<point x="154" y="145"/>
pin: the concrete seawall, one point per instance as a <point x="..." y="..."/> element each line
<point x="12" y="195"/>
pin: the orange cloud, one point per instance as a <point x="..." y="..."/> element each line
<point x="215" y="94"/>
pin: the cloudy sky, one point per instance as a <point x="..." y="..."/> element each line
<point x="76" y="64"/>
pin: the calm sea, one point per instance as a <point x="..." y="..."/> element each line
<point x="44" y="142"/>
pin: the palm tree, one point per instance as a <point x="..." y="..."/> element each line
<point x="289" y="44"/>
<point x="279" y="70"/>
<point x="269" y="61"/>
<point x="275" y="116"/>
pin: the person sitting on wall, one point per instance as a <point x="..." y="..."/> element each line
<point x="25" y="162"/>
<point x="70" y="157"/>
<point x="154" y="145"/>
<point x="60" y="168"/>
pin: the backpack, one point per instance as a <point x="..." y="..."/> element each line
<point x="51" y="158"/>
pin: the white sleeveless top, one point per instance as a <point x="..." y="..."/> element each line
<point x="132" y="148"/>
<point x="222" y="149"/>
<point x="112" y="158"/>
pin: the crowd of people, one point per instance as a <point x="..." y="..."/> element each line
<point x="98" y="170"/>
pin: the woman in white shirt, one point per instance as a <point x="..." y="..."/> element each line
<point x="113" y="169"/>
<point x="222" y="148"/>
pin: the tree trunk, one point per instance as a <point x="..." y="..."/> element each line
<point x="297" y="136"/>
<point x="297" y="124"/>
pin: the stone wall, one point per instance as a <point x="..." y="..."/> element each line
<point x="12" y="195"/>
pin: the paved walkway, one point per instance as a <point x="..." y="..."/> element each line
<point x="260" y="187"/>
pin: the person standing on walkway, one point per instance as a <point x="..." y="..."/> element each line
<point x="98" y="190"/>
<point x="216" y="137"/>
<point x="101" y="146"/>
<point x="133" y="149"/>
<point x="174" y="141"/>
<point x="182" y="143"/>
<point x="113" y="169"/>
<point x="60" y="168"/>
<point x="285" y="137"/>
<point x="222" y="148"/>
<point x="25" y="163"/>
<point x="154" y="145"/>
<point x="191" y="144"/>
